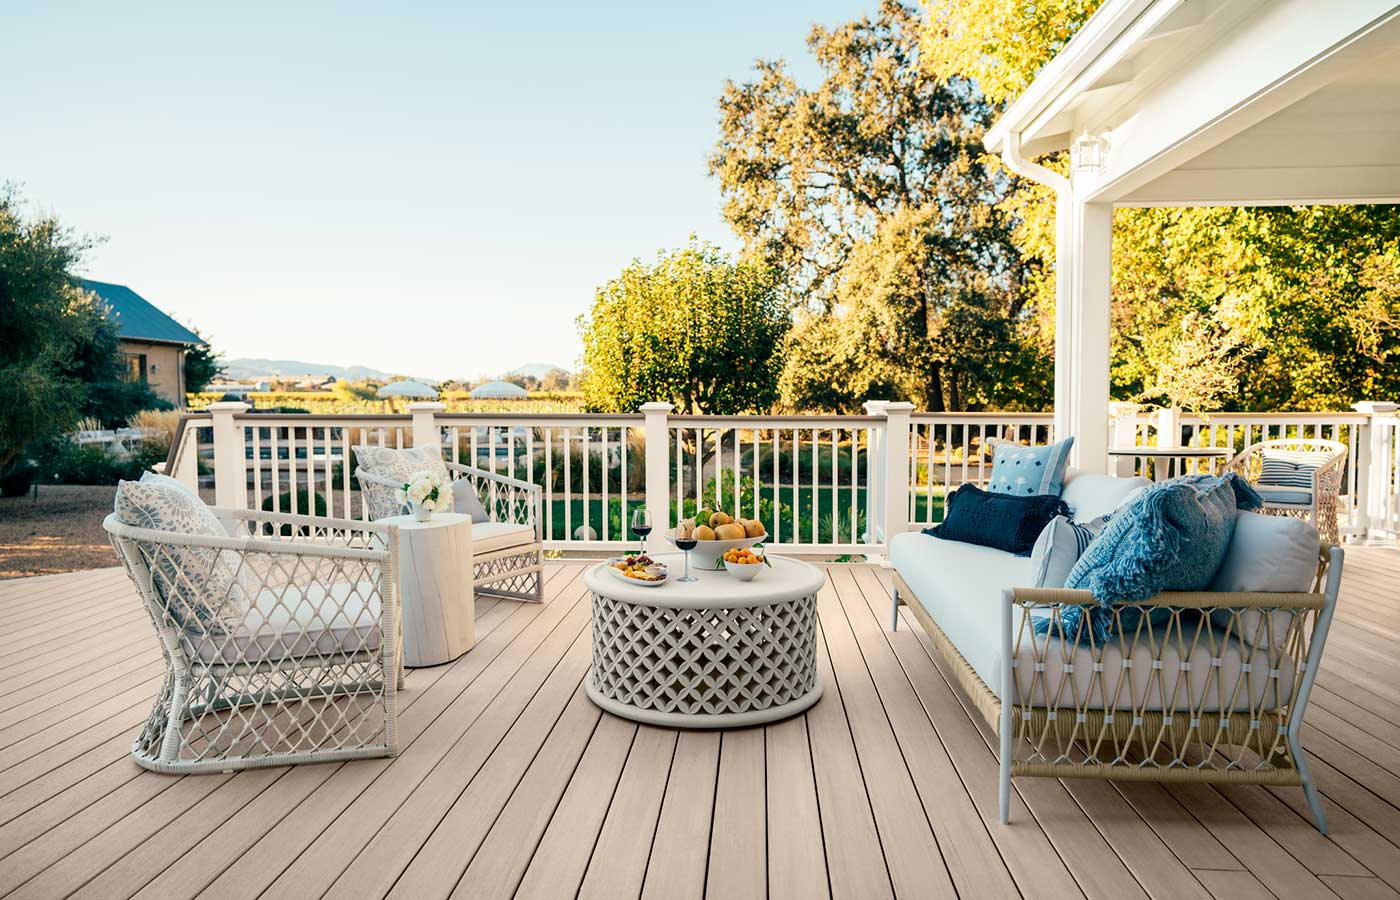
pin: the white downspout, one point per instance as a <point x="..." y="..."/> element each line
<point x="1064" y="268"/>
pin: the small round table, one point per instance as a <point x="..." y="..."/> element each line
<point x="714" y="653"/>
<point x="1166" y="460"/>
<point x="435" y="588"/>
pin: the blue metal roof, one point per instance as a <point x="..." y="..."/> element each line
<point x="136" y="318"/>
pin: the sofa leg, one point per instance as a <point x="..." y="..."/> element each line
<point x="894" y="610"/>
<point x="1004" y="781"/>
<point x="1309" y="788"/>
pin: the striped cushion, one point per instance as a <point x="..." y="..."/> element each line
<point x="1059" y="547"/>
<point x="1290" y="469"/>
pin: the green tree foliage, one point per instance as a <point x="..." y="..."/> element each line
<point x="1213" y="308"/>
<point x="202" y="365"/>
<point x="694" y="328"/>
<point x="871" y="192"/>
<point x="54" y="332"/>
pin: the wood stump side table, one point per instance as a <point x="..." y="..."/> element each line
<point x="435" y="588"/>
<point x="715" y="653"/>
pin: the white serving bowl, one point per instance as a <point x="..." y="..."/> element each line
<point x="744" y="571"/>
<point x="707" y="554"/>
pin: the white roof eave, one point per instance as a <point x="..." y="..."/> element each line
<point x="1100" y="44"/>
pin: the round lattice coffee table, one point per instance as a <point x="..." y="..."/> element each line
<point x="715" y="653"/>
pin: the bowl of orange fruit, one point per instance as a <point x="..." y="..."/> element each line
<point x="744" y="563"/>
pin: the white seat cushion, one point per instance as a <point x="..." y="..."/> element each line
<point x="298" y="622"/>
<point x="488" y="537"/>
<point x="1090" y="496"/>
<point x="961" y="586"/>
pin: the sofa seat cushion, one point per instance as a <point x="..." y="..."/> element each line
<point x="960" y="586"/>
<point x="296" y="622"/>
<point x="1283" y="494"/>
<point x="488" y="537"/>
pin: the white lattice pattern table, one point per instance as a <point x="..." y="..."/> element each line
<point x="715" y="653"/>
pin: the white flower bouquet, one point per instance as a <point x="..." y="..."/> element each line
<point x="426" y="493"/>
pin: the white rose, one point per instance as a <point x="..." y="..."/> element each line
<point x="444" y="500"/>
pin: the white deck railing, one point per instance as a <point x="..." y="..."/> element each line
<point x="831" y="484"/>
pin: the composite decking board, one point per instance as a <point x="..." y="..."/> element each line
<point x="917" y="867"/>
<point x="974" y="862"/>
<point x="618" y="864"/>
<point x="1029" y="854"/>
<point x="1232" y="885"/>
<point x="438" y="831"/>
<point x="78" y="819"/>
<point x="1359" y="888"/>
<point x="323" y="860"/>
<point x="739" y="836"/>
<point x="796" y="856"/>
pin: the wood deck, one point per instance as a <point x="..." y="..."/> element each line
<point x="511" y="784"/>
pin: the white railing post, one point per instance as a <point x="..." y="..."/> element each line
<point x="656" y="430"/>
<point x="230" y="455"/>
<point x="875" y="476"/>
<point x="1373" y="462"/>
<point x="426" y="432"/>
<point x="895" y="503"/>
<point x="1122" y="435"/>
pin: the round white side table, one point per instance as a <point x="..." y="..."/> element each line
<point x="714" y="653"/>
<point x="435" y="588"/>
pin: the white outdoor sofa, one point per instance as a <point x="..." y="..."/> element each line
<point x="1214" y="693"/>
<point x="281" y="640"/>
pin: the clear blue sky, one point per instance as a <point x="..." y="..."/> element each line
<point x="433" y="189"/>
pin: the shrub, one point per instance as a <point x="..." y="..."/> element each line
<point x="307" y="503"/>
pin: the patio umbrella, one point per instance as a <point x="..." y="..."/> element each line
<point x="499" y="390"/>
<point x="408" y="389"/>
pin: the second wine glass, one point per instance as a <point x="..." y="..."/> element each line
<point x="641" y="527"/>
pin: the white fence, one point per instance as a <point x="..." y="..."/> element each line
<point x="831" y="484"/>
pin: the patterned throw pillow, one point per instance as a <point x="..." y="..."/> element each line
<point x="1001" y="521"/>
<point x="200" y="586"/>
<point x="1029" y="471"/>
<point x="1059" y="547"/>
<point x="398" y="466"/>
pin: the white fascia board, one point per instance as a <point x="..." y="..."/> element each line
<point x="1100" y="32"/>
<point x="1280" y="186"/>
<point x="1271" y="60"/>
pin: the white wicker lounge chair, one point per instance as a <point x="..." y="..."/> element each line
<point x="281" y="644"/>
<point x="507" y="550"/>
<point x="1311" y="494"/>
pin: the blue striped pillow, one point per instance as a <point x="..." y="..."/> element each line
<point x="1285" y="468"/>
<point x="1059" y="547"/>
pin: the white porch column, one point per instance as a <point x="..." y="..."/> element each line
<point x="1064" y="313"/>
<point x="658" y="487"/>
<point x="1090" y="305"/>
<point x="230" y="455"/>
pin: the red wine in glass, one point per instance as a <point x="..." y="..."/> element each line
<point x="641" y="527"/>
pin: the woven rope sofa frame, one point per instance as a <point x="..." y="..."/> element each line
<point x="1321" y="513"/>
<point x="515" y="572"/>
<point x="288" y="692"/>
<point x="1244" y="739"/>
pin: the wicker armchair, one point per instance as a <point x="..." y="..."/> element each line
<point x="1316" y="503"/>
<point x="281" y="642"/>
<point x="507" y="551"/>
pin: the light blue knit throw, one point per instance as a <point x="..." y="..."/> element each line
<point x="1172" y="538"/>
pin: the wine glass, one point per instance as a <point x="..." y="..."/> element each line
<point x="641" y="527"/>
<point x="686" y="544"/>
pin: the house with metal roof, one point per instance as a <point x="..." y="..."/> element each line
<point x="153" y="345"/>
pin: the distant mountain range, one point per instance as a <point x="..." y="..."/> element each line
<point x="248" y="367"/>
<point x="251" y="367"/>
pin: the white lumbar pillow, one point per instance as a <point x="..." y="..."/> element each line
<point x="1275" y="554"/>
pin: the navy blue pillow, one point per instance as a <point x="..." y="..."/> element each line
<point x="1004" y="521"/>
